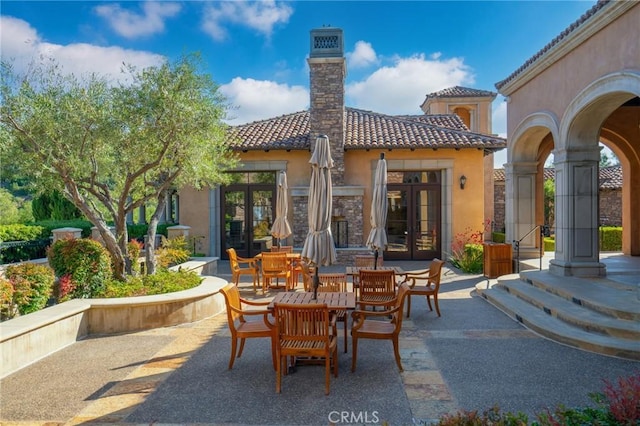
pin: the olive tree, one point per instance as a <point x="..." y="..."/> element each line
<point x="112" y="147"/>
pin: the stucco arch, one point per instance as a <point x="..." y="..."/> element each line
<point x="583" y="117"/>
<point x="528" y="135"/>
<point x="531" y="142"/>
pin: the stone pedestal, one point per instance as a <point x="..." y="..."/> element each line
<point x="66" y="234"/>
<point x="177" y="231"/>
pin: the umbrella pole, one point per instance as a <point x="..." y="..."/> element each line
<point x="375" y="259"/>
<point x="316" y="284"/>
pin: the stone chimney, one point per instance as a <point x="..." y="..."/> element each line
<point x="327" y="68"/>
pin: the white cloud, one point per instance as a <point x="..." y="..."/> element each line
<point x="259" y="100"/>
<point x="25" y="46"/>
<point x="129" y="24"/>
<point x="362" y="56"/>
<point x="260" y="15"/>
<point x="401" y="88"/>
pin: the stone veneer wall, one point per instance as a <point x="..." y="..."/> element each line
<point x="349" y="207"/>
<point x="327" y="109"/>
<point x="611" y="207"/>
<point x="498" y="206"/>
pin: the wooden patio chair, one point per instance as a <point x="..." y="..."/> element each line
<point x="275" y="265"/>
<point x="376" y="287"/>
<point x="364" y="261"/>
<point x="431" y="287"/>
<point x="304" y="330"/>
<point x="336" y="282"/>
<point x="252" y="268"/>
<point x="296" y="269"/>
<point x="386" y="326"/>
<point x="242" y="329"/>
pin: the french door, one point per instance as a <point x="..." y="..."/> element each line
<point x="247" y="213"/>
<point x="413" y="221"/>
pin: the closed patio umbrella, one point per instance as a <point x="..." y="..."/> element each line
<point x="281" y="228"/>
<point x="378" y="218"/>
<point x="318" y="247"/>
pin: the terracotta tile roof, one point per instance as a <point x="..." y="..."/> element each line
<point x="452" y="121"/>
<point x="287" y="132"/>
<point x="364" y="130"/>
<point x="610" y="177"/>
<point x="553" y="43"/>
<point x="369" y="130"/>
<point x="461" y="92"/>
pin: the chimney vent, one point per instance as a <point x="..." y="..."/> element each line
<point x="326" y="43"/>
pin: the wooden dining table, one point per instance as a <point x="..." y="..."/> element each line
<point x="355" y="270"/>
<point x="334" y="300"/>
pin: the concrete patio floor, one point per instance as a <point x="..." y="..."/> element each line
<point x="472" y="358"/>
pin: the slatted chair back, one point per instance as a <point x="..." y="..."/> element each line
<point x="284" y="249"/>
<point x="275" y="265"/>
<point x="330" y="282"/>
<point x="367" y="260"/>
<point x="304" y="330"/>
<point x="251" y="267"/>
<point x="377" y="286"/>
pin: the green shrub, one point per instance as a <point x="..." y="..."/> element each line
<point x="32" y="285"/>
<point x="549" y="244"/>
<point x="610" y="238"/>
<point x="163" y="281"/>
<point x="86" y="261"/>
<point x="138" y="231"/>
<point x="498" y="237"/>
<point x="54" y="206"/>
<point x="20" y="232"/>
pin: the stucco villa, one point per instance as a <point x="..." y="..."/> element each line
<point x="581" y="89"/>
<point x="440" y="169"/>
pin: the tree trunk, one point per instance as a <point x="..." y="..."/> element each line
<point x="150" y="255"/>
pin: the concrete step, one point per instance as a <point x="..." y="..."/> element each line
<point x="609" y="297"/>
<point x="545" y="323"/>
<point x="571" y="312"/>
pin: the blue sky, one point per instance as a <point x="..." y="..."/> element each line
<point x="397" y="52"/>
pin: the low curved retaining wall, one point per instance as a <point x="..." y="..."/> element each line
<point x="29" y="338"/>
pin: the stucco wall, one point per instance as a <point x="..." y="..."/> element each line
<point x="561" y="82"/>
<point x="465" y="208"/>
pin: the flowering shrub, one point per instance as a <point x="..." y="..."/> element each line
<point x="32" y="286"/>
<point x="134" y="247"/>
<point x="85" y="261"/>
<point x="65" y="288"/>
<point x="466" y="249"/>
<point x="7" y="307"/>
<point x="173" y="251"/>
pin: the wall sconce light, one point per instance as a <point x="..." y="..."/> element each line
<point x="463" y="181"/>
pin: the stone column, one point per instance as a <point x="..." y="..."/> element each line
<point x="327" y="68"/>
<point x="577" y="252"/>
<point x="142" y="215"/>
<point x="520" y="207"/>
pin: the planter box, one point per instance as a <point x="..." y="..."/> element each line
<point x="497" y="260"/>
